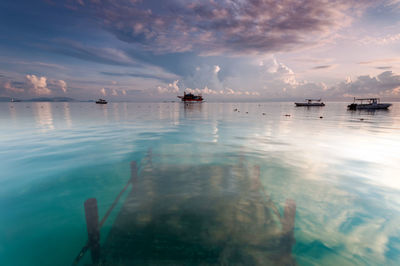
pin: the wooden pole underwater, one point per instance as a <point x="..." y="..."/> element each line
<point x="92" y="221"/>
<point x="93" y="229"/>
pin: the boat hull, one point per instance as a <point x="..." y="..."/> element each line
<point x="309" y="104"/>
<point x="191" y="100"/>
<point x="379" y="106"/>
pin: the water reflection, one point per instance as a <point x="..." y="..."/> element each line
<point x="341" y="171"/>
<point x="43" y="116"/>
<point x="197" y="215"/>
<point x="116" y="111"/>
<point x="67" y="115"/>
<point x="13" y="112"/>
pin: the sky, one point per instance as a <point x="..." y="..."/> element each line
<point x="227" y="50"/>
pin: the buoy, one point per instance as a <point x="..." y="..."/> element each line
<point x="321" y="117"/>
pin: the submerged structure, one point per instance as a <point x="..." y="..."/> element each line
<point x="368" y="104"/>
<point x="190" y="97"/>
<point x="194" y="215"/>
<point x="311" y="102"/>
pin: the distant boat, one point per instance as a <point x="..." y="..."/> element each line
<point x="15" y="100"/>
<point x="311" y="102"/>
<point x="189" y="97"/>
<point x="101" y="101"/>
<point x="371" y="104"/>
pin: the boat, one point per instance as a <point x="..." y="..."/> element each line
<point x="190" y="97"/>
<point x="15" y="100"/>
<point x="101" y="101"/>
<point x="311" y="102"/>
<point x="368" y="104"/>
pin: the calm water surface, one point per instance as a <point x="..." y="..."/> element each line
<point x="212" y="183"/>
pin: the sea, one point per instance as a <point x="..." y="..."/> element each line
<point x="199" y="184"/>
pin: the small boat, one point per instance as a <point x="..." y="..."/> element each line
<point x="101" y="101"/>
<point x="15" y="100"/>
<point x="190" y="97"/>
<point x="368" y="104"/>
<point x="311" y="102"/>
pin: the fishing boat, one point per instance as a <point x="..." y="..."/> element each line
<point x="190" y="97"/>
<point x="368" y="104"/>
<point x="101" y="101"/>
<point x="311" y="102"/>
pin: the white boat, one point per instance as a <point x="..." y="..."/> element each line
<point x="368" y="104"/>
<point x="311" y="102"/>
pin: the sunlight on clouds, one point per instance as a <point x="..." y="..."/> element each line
<point x="39" y="85"/>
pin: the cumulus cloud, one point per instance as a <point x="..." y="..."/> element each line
<point x="57" y="85"/>
<point x="114" y="92"/>
<point x="38" y="85"/>
<point x="11" y="88"/>
<point x="204" y="76"/>
<point x="242" y="26"/>
<point x="63" y="85"/>
<point x="171" y="88"/>
<point x="267" y="79"/>
<point x="32" y="85"/>
<point x="385" y="84"/>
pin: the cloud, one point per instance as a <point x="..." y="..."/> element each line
<point x="383" y="67"/>
<point x="12" y="89"/>
<point x="214" y="27"/>
<point x="33" y="85"/>
<point x="204" y="76"/>
<point x="104" y="55"/>
<point x="380" y="60"/>
<point x="38" y="85"/>
<point x="60" y="84"/>
<point x="41" y="64"/>
<point x="272" y="79"/>
<point x="322" y="67"/>
<point x="385" y="84"/>
<point x="137" y="75"/>
<point x="171" y="88"/>
<point x="115" y="92"/>
<point x="382" y="40"/>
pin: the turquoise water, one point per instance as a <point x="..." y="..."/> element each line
<point x="342" y="172"/>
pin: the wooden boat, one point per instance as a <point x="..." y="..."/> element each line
<point x="311" y="102"/>
<point x="368" y="104"/>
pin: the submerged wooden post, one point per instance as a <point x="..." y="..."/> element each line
<point x="289" y="215"/>
<point x="93" y="229"/>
